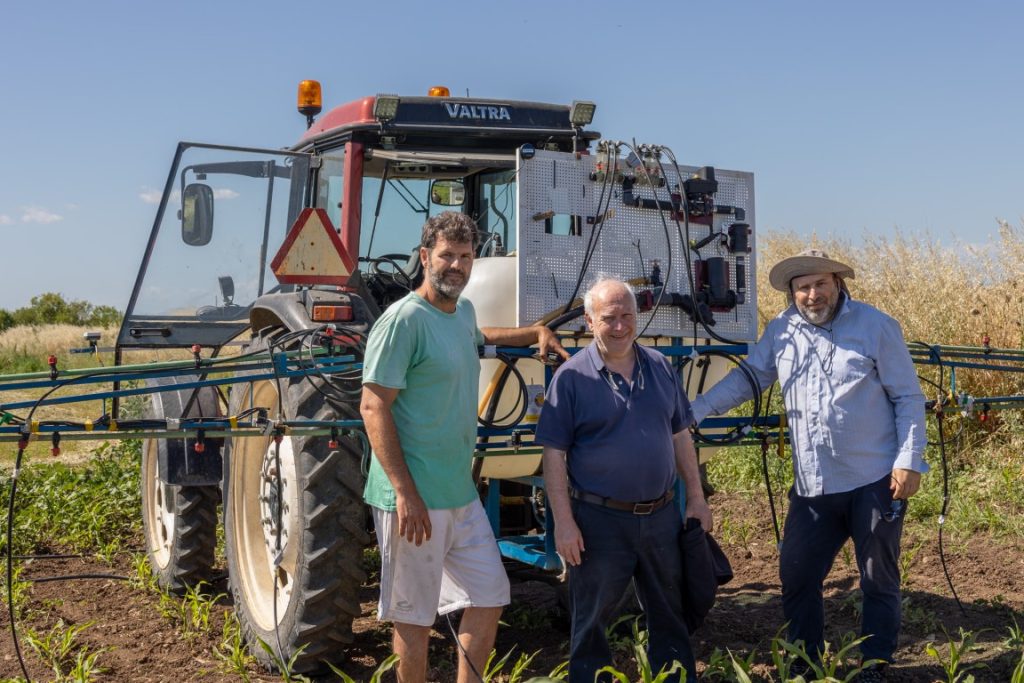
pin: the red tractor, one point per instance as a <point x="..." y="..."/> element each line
<point x="288" y="251"/>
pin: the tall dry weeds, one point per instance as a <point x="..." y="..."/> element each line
<point x="949" y="295"/>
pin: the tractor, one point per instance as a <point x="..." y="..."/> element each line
<point x="294" y="251"/>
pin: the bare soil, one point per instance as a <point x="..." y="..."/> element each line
<point x="138" y="644"/>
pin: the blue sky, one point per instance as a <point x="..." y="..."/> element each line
<point x="855" y="118"/>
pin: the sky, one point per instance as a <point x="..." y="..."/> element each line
<point x="856" y="118"/>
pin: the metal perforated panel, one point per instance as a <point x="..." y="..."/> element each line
<point x="554" y="187"/>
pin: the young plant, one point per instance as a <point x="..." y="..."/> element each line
<point x="492" y="669"/>
<point x="718" y="666"/>
<point x="196" y="609"/>
<point x="60" y="650"/>
<point x="285" y="668"/>
<point x="1018" y="671"/>
<point x="1015" y="639"/>
<point x="742" y="668"/>
<point x="560" y="672"/>
<point x="953" y="663"/>
<point x="643" y="664"/>
<point x="232" y="651"/>
<point x="375" y="677"/>
<point x="830" y="663"/>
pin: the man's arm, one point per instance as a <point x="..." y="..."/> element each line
<point x="568" y="540"/>
<point x="540" y="335"/>
<point x="413" y="519"/>
<point x="734" y="388"/>
<point x="686" y="465"/>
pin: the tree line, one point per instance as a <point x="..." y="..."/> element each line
<point x="52" y="309"/>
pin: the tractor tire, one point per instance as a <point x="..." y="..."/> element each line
<point x="295" y="586"/>
<point x="179" y="522"/>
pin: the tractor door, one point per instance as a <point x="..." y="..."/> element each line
<point x="223" y="214"/>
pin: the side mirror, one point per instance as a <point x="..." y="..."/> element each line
<point x="448" y="193"/>
<point x="197" y="215"/>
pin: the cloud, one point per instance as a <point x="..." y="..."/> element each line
<point x="150" y="196"/>
<point x="37" y="214"/>
<point x="5" y="219"/>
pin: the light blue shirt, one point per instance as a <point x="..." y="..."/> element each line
<point x="854" y="405"/>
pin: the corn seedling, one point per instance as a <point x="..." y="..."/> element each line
<point x="718" y="666"/>
<point x="59" y="649"/>
<point x="231" y="651"/>
<point x="1018" y="671"/>
<point x="953" y="663"/>
<point x="907" y="559"/>
<point x="1015" y="638"/>
<point x="828" y="667"/>
<point x="196" y="607"/>
<point x="643" y="664"/>
<point x="742" y="669"/>
<point x="375" y="677"/>
<point x="560" y="672"/>
<point x="493" y="668"/>
<point x="142" y="577"/>
<point x="286" y="668"/>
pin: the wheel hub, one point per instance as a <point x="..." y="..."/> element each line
<point x="277" y="495"/>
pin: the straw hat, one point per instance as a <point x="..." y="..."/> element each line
<point x="809" y="262"/>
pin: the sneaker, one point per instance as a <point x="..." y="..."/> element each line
<point x="873" y="674"/>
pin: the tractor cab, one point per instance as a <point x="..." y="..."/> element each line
<point x="378" y="167"/>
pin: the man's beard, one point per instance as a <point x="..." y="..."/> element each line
<point x="449" y="289"/>
<point x="819" y="317"/>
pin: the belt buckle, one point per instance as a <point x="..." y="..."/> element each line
<point x="644" y="508"/>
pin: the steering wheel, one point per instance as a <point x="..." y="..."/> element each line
<point x="396" y="272"/>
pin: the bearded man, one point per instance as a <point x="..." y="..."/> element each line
<point x="856" y="422"/>
<point x="419" y="404"/>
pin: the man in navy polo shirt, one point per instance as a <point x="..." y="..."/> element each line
<point x="614" y="431"/>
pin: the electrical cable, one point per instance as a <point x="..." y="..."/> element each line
<point x="599" y="220"/>
<point x="768" y="487"/>
<point x="685" y="204"/>
<point x="939" y="418"/>
<point x="465" y="655"/>
<point x="942" y="514"/>
<point x="71" y="577"/>
<point x="738" y="432"/>
<point x="522" y="399"/>
<point x="668" y="238"/>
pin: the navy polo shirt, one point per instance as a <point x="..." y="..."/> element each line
<point x="618" y="441"/>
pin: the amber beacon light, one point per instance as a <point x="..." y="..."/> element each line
<point x="439" y="91"/>
<point x="310" y="101"/>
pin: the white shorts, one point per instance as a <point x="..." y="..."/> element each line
<point x="459" y="566"/>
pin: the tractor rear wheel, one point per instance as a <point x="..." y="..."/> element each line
<point x="295" y="527"/>
<point x="179" y="522"/>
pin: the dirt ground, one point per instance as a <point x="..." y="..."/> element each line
<point x="138" y="644"/>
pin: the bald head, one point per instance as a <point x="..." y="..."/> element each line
<point x="611" y="314"/>
<point x="607" y="289"/>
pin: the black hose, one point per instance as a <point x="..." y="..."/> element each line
<point x="738" y="432"/>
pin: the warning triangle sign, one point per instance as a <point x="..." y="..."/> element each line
<point x="312" y="253"/>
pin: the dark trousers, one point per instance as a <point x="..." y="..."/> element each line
<point x="621" y="546"/>
<point x="816" y="529"/>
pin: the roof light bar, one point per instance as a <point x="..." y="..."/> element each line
<point x="581" y="113"/>
<point x="385" y="107"/>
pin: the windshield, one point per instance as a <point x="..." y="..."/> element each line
<point x="399" y="194"/>
<point x="200" y="276"/>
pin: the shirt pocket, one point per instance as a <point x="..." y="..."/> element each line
<point x="850" y="367"/>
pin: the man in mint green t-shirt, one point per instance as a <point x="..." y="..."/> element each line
<point x="420" y="376"/>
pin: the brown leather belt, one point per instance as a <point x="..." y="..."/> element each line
<point x="643" y="508"/>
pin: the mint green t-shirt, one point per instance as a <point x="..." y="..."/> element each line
<point x="431" y="357"/>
